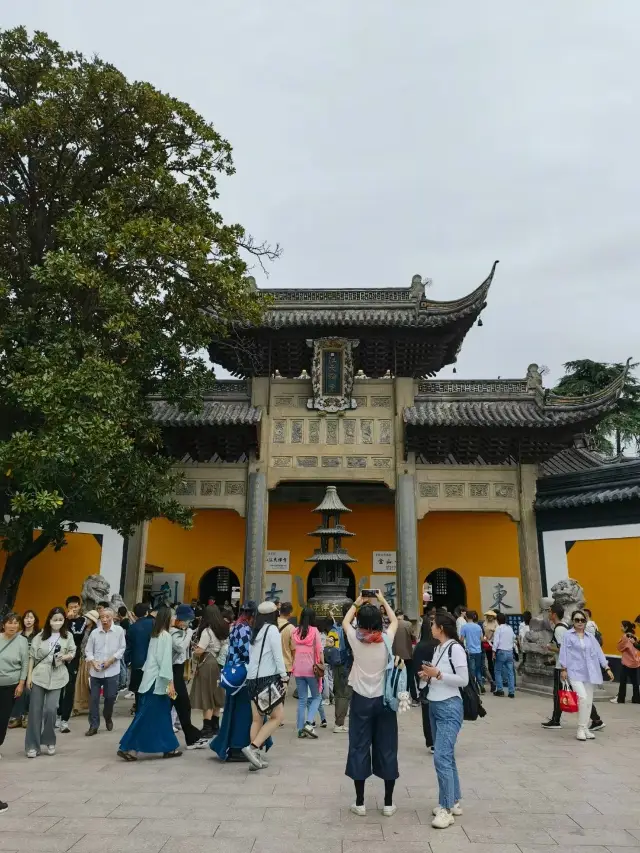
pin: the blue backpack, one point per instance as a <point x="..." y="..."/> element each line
<point x="233" y="677"/>
<point x="395" y="677"/>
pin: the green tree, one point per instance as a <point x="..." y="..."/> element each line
<point x="110" y="249"/>
<point x="621" y="428"/>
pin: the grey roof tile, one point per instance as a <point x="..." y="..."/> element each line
<point x="213" y="413"/>
<point x="597" y="496"/>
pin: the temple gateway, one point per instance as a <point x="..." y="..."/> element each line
<point x="340" y="388"/>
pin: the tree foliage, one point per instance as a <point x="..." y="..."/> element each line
<point x="621" y="428"/>
<point x="110" y="248"/>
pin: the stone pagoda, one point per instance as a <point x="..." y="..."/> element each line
<point x="330" y="589"/>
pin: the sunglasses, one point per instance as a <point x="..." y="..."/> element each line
<point x="579" y="620"/>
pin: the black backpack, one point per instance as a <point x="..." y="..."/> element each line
<point x="472" y="706"/>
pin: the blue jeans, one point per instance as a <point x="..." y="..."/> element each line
<point x="504" y="665"/>
<point x="307" y="684"/>
<point x="476" y="660"/>
<point x="446" y="722"/>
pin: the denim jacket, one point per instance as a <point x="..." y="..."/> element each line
<point x="583" y="663"/>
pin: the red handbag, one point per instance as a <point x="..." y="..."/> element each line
<point x="568" y="699"/>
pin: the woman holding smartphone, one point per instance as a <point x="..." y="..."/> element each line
<point x="373" y="728"/>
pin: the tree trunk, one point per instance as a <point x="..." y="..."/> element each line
<point x="618" y="443"/>
<point x="16" y="563"/>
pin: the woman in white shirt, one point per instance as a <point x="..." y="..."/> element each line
<point x="210" y="652"/>
<point x="373" y="728"/>
<point x="446" y="674"/>
<point x="266" y="682"/>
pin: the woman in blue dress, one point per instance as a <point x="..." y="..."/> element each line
<point x="235" y="728"/>
<point x="151" y="730"/>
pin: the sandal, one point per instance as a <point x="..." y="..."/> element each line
<point x="174" y="754"/>
<point x="126" y="756"/>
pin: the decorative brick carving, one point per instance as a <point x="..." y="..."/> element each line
<point x="454" y="490"/>
<point x="296" y="432"/>
<point x="332" y="432"/>
<point x="336" y="296"/>
<point x="302" y="402"/>
<point x="479" y="490"/>
<point x="349" y="430"/>
<point x="356" y="461"/>
<point x="504" y="490"/>
<point x="284" y="401"/>
<point x="381" y="462"/>
<point x="385" y="432"/>
<point x="210" y="488"/>
<point x="314" y="432"/>
<point x="366" y="431"/>
<point x="381" y="402"/>
<point x="279" y="432"/>
<point x="331" y="461"/>
<point x="282" y="461"/>
<point x="307" y="461"/>
<point x="186" y="487"/>
<point x="361" y="402"/>
<point x="429" y="490"/>
<point x="234" y="487"/>
<point x="464" y="386"/>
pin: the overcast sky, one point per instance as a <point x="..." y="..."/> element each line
<point x="375" y="139"/>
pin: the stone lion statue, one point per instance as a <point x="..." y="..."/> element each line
<point x="116" y="602"/>
<point x="95" y="588"/>
<point x="569" y="594"/>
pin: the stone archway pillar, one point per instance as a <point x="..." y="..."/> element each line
<point x="256" y="536"/>
<point x="407" y="545"/>
<point x="528" y="538"/>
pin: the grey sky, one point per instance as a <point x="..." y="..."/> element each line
<point x="379" y="138"/>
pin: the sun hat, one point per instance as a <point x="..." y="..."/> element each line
<point x="185" y="613"/>
<point x="93" y="615"/>
<point x="489" y="612"/>
<point x="267" y="607"/>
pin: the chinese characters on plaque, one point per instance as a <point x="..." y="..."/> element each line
<point x="384" y="561"/>
<point x="277" y="561"/>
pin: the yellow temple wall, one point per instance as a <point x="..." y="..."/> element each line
<point x="472" y="544"/>
<point x="53" y="575"/>
<point x="607" y="570"/>
<point x="216" y="539"/>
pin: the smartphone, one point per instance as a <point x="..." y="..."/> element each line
<point x="370" y="593"/>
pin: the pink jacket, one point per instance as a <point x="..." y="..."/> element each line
<point x="308" y="652"/>
<point x="630" y="656"/>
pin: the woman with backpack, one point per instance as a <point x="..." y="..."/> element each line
<point x="445" y="675"/>
<point x="373" y="728"/>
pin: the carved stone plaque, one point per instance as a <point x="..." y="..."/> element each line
<point x="332" y="374"/>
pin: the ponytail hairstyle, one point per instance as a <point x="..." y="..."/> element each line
<point x="446" y="622"/>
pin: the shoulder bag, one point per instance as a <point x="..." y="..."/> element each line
<point x="273" y="692"/>
<point x="318" y="668"/>
<point x="472" y="706"/>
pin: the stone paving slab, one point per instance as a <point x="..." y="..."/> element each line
<point x="525" y="791"/>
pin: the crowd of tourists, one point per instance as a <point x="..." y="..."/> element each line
<point x="242" y="667"/>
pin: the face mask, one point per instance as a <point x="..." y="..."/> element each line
<point x="56" y="623"/>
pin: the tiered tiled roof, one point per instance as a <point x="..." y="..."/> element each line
<point x="399" y="330"/>
<point x="499" y="420"/>
<point x="607" y="484"/>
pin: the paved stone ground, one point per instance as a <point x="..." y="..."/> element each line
<point x="525" y="791"/>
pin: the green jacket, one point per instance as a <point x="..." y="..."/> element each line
<point x="14" y="660"/>
<point x="48" y="672"/>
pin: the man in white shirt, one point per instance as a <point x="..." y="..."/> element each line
<point x="503" y="643"/>
<point x="105" y="649"/>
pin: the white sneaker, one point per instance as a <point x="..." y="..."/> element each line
<point x="51" y="750"/>
<point x="64" y="727"/>
<point x="129" y="695"/>
<point x="456" y="810"/>
<point x="337" y="730"/>
<point x="581" y="734"/>
<point x="32" y="753"/>
<point x="614" y="701"/>
<point x="58" y="721"/>
<point x="389" y="811"/>
<point x="361" y="811"/>
<point x="310" y="731"/>
<point x="589" y="735"/>
<point x="443" y="819"/>
<point x="253" y="756"/>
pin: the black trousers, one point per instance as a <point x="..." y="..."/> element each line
<point x="182" y="705"/>
<point x="426" y="724"/>
<point x="67" y="695"/>
<point x="134" y="684"/>
<point x="373" y="739"/>
<point x="411" y="679"/>
<point x="557" y="711"/>
<point x="6" y="706"/>
<point x="629" y="674"/>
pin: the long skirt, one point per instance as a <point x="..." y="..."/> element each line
<point x="235" y="728"/>
<point x="206" y="692"/>
<point x="151" y="729"/>
<point x="82" y="692"/>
